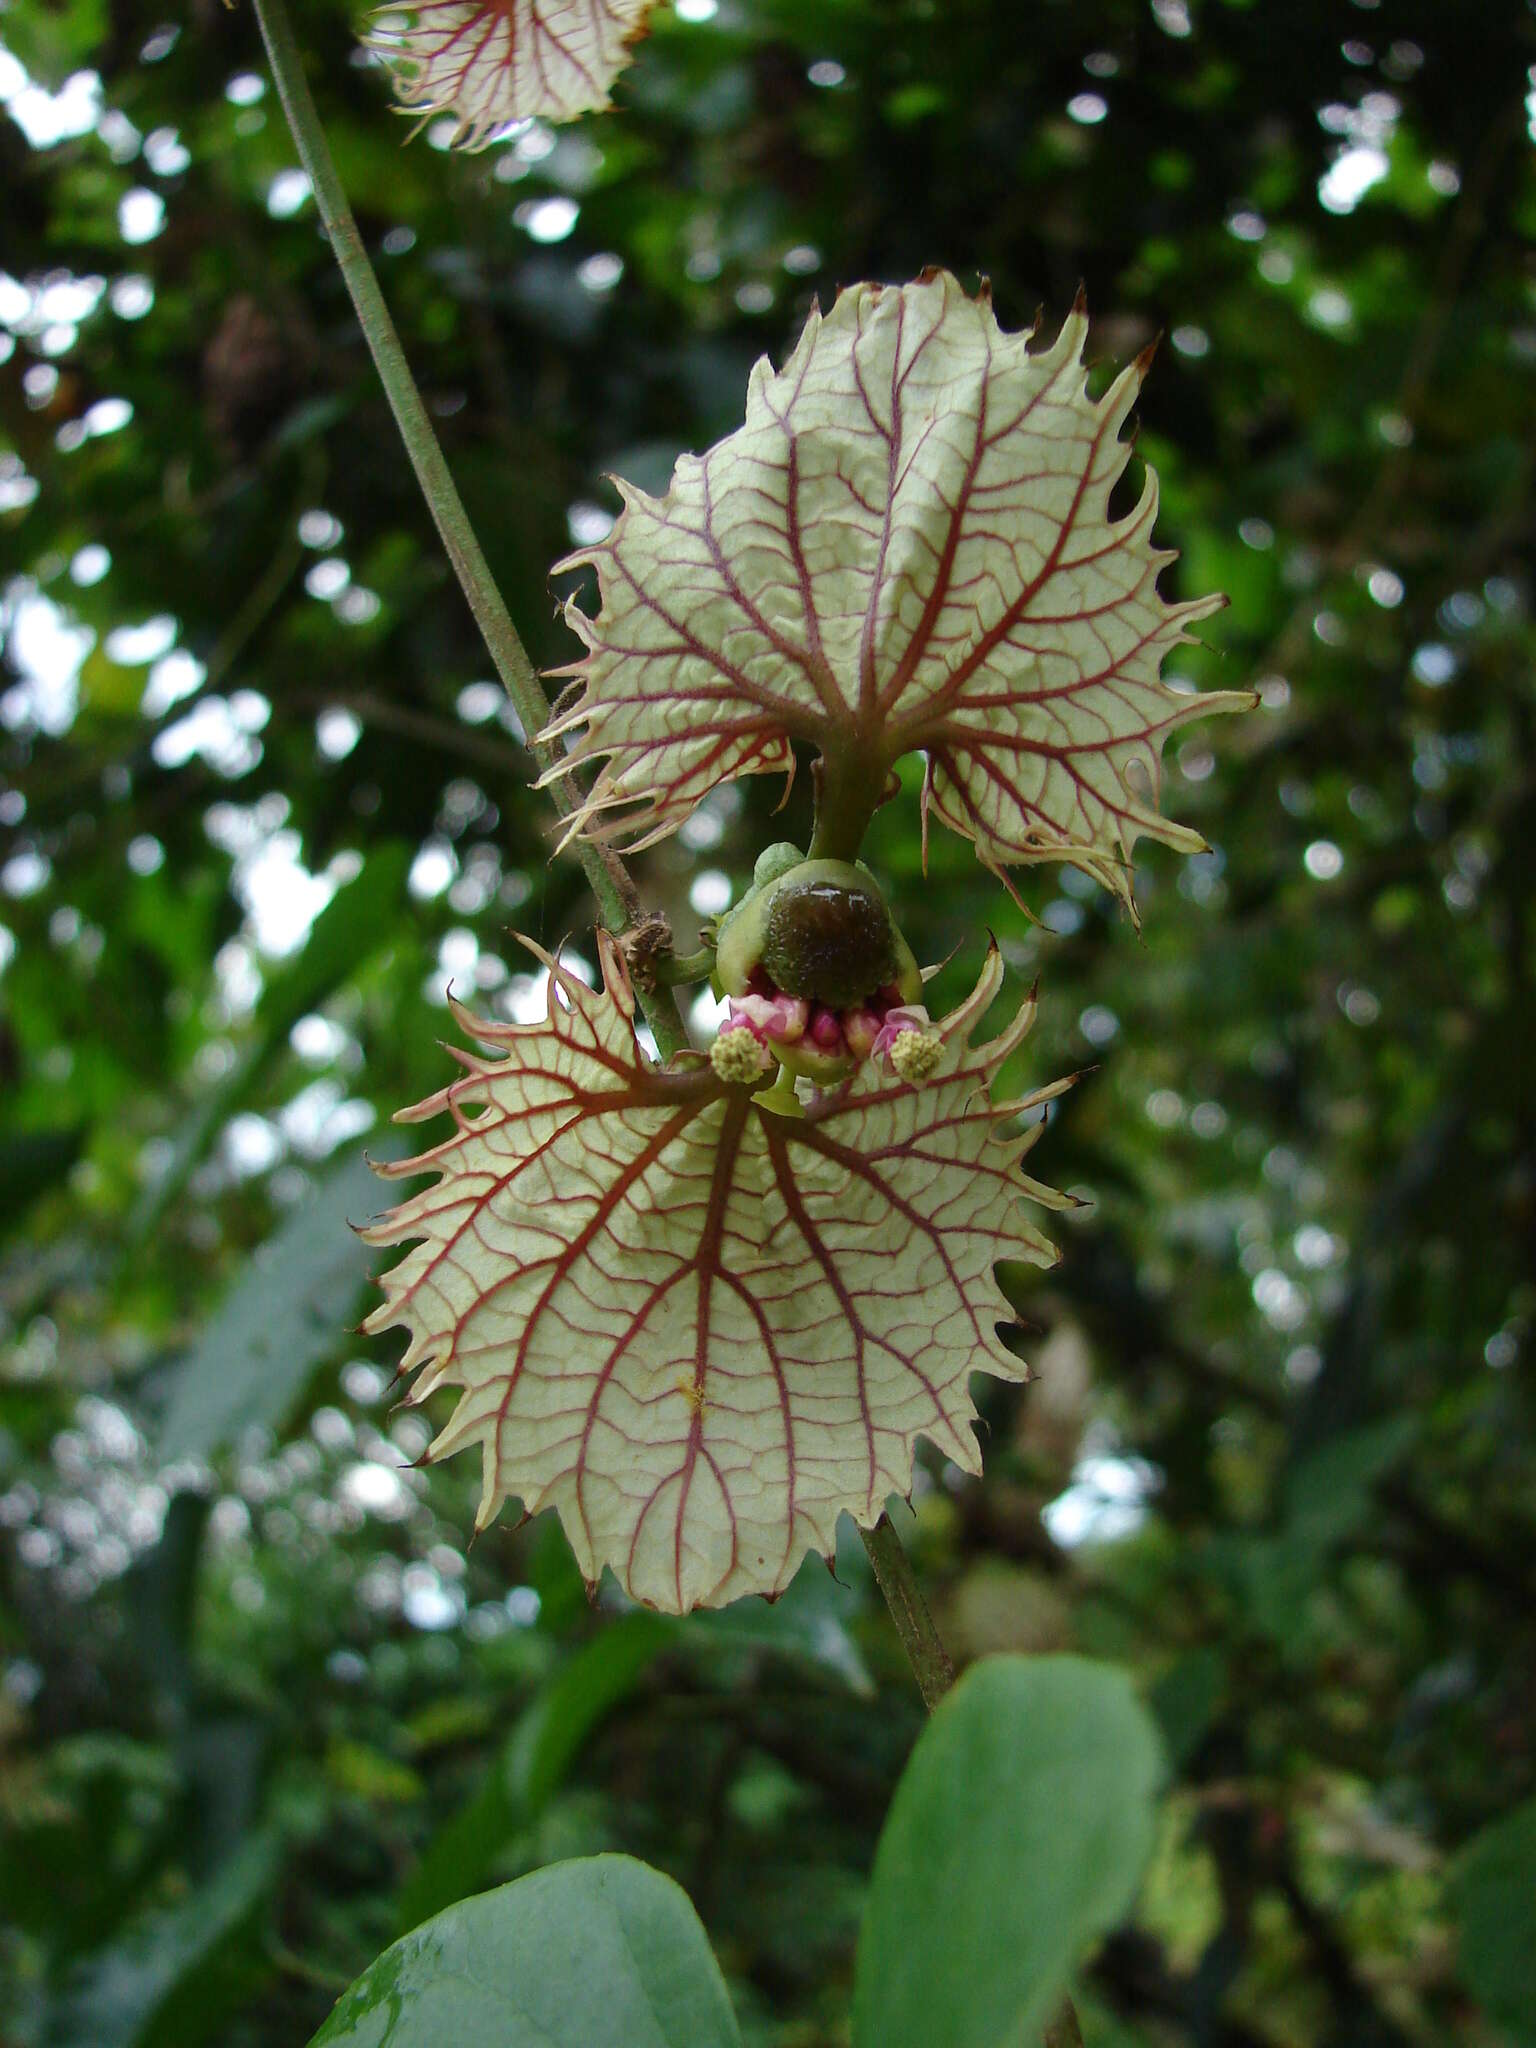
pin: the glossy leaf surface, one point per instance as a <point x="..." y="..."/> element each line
<point x="907" y="547"/>
<point x="699" y="1329"/>
<point x="599" y="1953"/>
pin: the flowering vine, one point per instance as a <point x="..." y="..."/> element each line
<point x="702" y="1305"/>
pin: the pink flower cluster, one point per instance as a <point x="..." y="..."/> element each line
<point x="870" y="1028"/>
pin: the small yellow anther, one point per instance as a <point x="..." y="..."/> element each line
<point x="739" y="1057"/>
<point x="915" y="1055"/>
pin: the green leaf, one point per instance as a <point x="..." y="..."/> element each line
<point x="353" y="926"/>
<point x="538" y="1753"/>
<point x="363" y="1771"/>
<point x="1495" y="1898"/>
<point x="53" y="41"/>
<point x="808" y="1627"/>
<point x="1328" y="1496"/>
<point x="600" y="1953"/>
<point x="1026" y="1815"/>
<point x="358" y="920"/>
<point x="549" y="1735"/>
<point x="1185" y="1700"/>
<point x="283" y="1317"/>
<point x="171" y="1979"/>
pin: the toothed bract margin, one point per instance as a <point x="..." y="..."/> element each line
<point x="697" y="1329"/>
<point x="908" y="547"/>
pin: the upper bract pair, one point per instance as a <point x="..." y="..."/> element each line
<point x="698" y="1316"/>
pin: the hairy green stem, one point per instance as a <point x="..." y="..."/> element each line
<point x="683" y="967"/>
<point x="848" y="793"/>
<point x="615" y="892"/>
<point x="909" y="1610"/>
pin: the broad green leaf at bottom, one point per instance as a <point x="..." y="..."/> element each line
<point x="603" y="1952"/>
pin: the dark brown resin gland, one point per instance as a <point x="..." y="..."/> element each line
<point x="828" y="942"/>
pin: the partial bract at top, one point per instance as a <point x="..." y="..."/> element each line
<point x="506" y="60"/>
<point x="907" y="547"/>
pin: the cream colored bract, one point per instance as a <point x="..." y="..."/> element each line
<point x="509" y="60"/>
<point x="697" y="1329"/>
<point x="907" y="547"/>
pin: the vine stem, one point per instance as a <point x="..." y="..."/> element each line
<point x="612" y="885"/>
<point x="617" y="898"/>
<point x="930" y="1661"/>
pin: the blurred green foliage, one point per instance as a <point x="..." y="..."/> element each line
<point x="260" y="1709"/>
